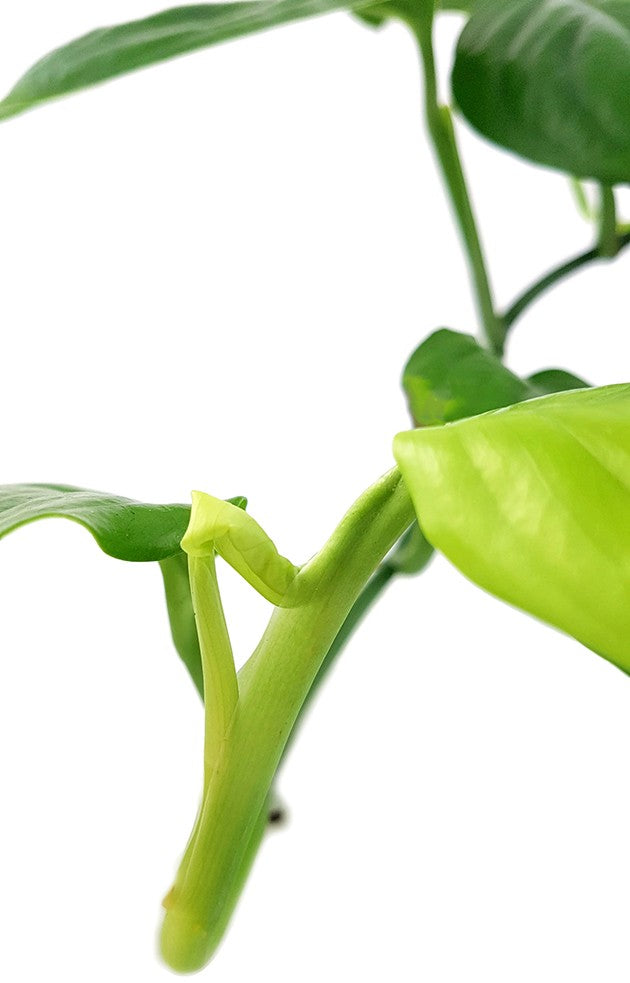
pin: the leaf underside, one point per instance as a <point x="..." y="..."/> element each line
<point x="550" y="81"/>
<point x="532" y="503"/>
<point x="112" y="51"/>
<point x="123" y="528"/>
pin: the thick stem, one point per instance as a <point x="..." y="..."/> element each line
<point x="441" y="131"/>
<point x="273" y="685"/>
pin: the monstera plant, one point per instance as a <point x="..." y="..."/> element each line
<point x="522" y="483"/>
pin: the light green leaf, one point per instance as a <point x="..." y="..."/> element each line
<point x="550" y="81"/>
<point x="219" y="526"/>
<point x="112" y="51"/>
<point x="533" y="504"/>
<point x="450" y="376"/>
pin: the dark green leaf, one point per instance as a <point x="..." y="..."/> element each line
<point x="450" y="376"/>
<point x="111" y="51"/>
<point x="556" y="381"/>
<point x="126" y="530"/>
<point x="123" y="528"/>
<point x="413" y="12"/>
<point x="550" y="82"/>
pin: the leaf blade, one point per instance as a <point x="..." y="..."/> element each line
<point x="109" y="52"/>
<point x="123" y="528"/>
<point x="549" y="82"/>
<point x="532" y="503"/>
<point x="450" y="376"/>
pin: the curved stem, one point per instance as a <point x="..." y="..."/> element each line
<point x="554" y="276"/>
<point x="273" y="685"/>
<point x="440" y="127"/>
<point x="359" y="610"/>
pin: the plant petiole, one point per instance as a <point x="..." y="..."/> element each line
<point x="559" y="273"/>
<point x="608" y="245"/>
<point x="442" y="133"/>
<point x="272" y="687"/>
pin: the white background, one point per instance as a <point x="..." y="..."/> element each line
<point x="211" y="274"/>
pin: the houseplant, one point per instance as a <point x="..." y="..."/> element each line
<point x="438" y="389"/>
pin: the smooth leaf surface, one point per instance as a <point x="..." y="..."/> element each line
<point x="123" y="528"/>
<point x="112" y="51"/>
<point x="555" y="381"/>
<point x="532" y="503"/>
<point x="450" y="376"/>
<point x="549" y="80"/>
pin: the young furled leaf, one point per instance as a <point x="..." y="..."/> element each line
<point x="532" y="503"/>
<point x="221" y="527"/>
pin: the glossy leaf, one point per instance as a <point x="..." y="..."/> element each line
<point x="532" y="503"/>
<point x="550" y="82"/>
<point x="451" y="376"/>
<point x="112" y="51"/>
<point x="122" y="527"/>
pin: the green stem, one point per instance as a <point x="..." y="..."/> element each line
<point x="359" y="610"/>
<point x="608" y="238"/>
<point x="273" y="685"/>
<point x="441" y="131"/>
<point x="361" y="607"/>
<point x="559" y="273"/>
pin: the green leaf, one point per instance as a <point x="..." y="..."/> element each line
<point x="221" y="527"/>
<point x="122" y="528"/>
<point x="550" y="82"/>
<point x="532" y="503"/>
<point x="126" y="530"/>
<point x="111" y="51"/>
<point x="451" y="376"/>
<point x="555" y="381"/>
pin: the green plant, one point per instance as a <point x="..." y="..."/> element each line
<point x="528" y="501"/>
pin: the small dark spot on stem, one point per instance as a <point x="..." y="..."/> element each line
<point x="277" y="816"/>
